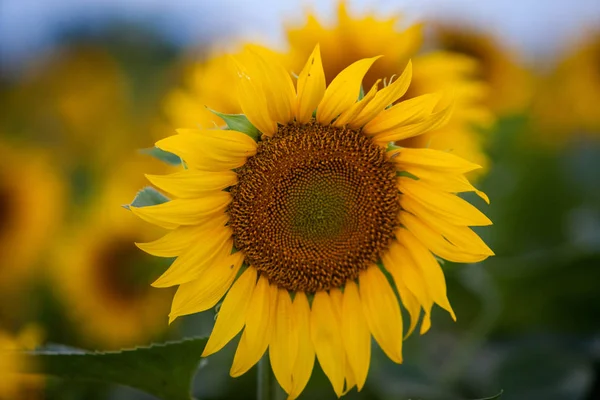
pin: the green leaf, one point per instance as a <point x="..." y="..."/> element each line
<point x="164" y="156"/>
<point x="164" y="370"/>
<point x="148" y="196"/>
<point x="238" y="122"/>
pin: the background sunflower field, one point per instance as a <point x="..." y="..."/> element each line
<point x="85" y="85"/>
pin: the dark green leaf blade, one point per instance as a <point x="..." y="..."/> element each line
<point x="148" y="196"/>
<point x="164" y="156"/>
<point x="163" y="370"/>
<point x="238" y="122"/>
<point x="495" y="397"/>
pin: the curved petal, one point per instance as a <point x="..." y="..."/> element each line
<point x="284" y="341"/>
<point x="210" y="149"/>
<point x="232" y="314"/>
<point x="276" y="83"/>
<point x="435" y="242"/>
<point x="430" y="269"/>
<point x="305" y="358"/>
<point x="461" y="236"/>
<point x="448" y="182"/>
<point x="451" y="207"/>
<point x="205" y="292"/>
<point x="175" y="213"/>
<point x="382" y="311"/>
<point x="190" y="183"/>
<point x="190" y="265"/>
<point x="257" y="334"/>
<point x="311" y="87"/>
<point x="404" y="113"/>
<point x="253" y="101"/>
<point x="343" y="91"/>
<point x="357" y="338"/>
<point x="384" y="98"/>
<point x="409" y="281"/>
<point x="351" y="113"/>
<point x="432" y="122"/>
<point x="177" y="241"/>
<point x="431" y="159"/>
<point x="327" y="340"/>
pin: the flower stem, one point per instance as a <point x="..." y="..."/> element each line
<point x="265" y="382"/>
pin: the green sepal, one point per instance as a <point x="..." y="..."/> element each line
<point x="148" y="196"/>
<point x="164" y="370"/>
<point x="164" y="156"/>
<point x="238" y="122"/>
<point x="361" y="94"/>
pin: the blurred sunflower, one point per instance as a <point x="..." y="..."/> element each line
<point x="346" y="42"/>
<point x="510" y="82"/>
<point x="318" y="218"/>
<point x="568" y="97"/>
<point x="32" y="200"/>
<point x="75" y="89"/>
<point x="12" y="384"/>
<point x="102" y="278"/>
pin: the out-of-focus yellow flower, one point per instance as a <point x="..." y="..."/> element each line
<point x="511" y="84"/>
<point x="312" y="202"/>
<point x="568" y="97"/>
<point x="32" y="202"/>
<point x="14" y="385"/>
<point x="350" y="39"/>
<point x="78" y="103"/>
<point x="101" y="277"/>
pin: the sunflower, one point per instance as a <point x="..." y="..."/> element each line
<point x="344" y="43"/>
<point x="510" y="81"/>
<point x="308" y="228"/>
<point x="13" y="385"/>
<point x="567" y="97"/>
<point x="102" y="278"/>
<point x="31" y="206"/>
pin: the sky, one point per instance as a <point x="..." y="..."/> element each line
<point x="532" y="27"/>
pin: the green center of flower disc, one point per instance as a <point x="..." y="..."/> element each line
<point x="314" y="206"/>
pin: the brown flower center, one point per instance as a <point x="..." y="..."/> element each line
<point x="314" y="206"/>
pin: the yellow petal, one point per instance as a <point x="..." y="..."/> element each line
<point x="189" y="183"/>
<point x="210" y="149"/>
<point x="284" y="341"/>
<point x="276" y="83"/>
<point x="305" y="358"/>
<point x="232" y="313"/>
<point x="191" y="264"/>
<point x="178" y="212"/>
<point x="177" y="241"/>
<point x="257" y="334"/>
<point x="435" y="242"/>
<point x="461" y="236"/>
<point x="433" y="122"/>
<point x="343" y="91"/>
<point x="448" y="182"/>
<point x="311" y="87"/>
<point x="205" y="292"/>
<point x="357" y="339"/>
<point x="431" y="159"/>
<point x="253" y="101"/>
<point x="351" y="113"/>
<point x="409" y="282"/>
<point x="327" y="340"/>
<point x="430" y="269"/>
<point x="449" y="206"/>
<point x="404" y="113"/>
<point x="350" y="380"/>
<point x="384" y="98"/>
<point x="382" y="311"/>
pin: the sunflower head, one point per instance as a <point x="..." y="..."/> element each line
<point x="310" y="227"/>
